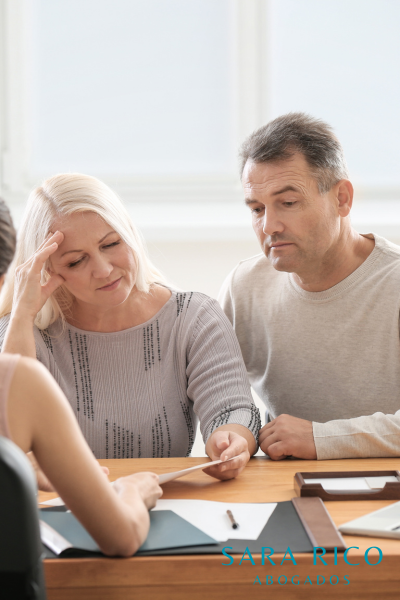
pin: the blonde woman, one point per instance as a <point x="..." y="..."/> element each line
<point x="139" y="362"/>
<point x="35" y="414"/>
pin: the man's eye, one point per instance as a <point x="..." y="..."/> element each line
<point x="256" y="211"/>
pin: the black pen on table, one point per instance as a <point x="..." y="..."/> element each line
<point x="235" y="525"/>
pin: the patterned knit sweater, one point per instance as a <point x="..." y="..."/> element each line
<point x="140" y="392"/>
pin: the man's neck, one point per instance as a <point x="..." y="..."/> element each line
<point x="351" y="251"/>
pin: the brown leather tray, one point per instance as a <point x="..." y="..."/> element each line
<point x="391" y="491"/>
<point x="318" y="524"/>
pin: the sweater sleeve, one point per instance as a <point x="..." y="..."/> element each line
<point x="376" y="435"/>
<point x="217" y="378"/>
<point x="42" y="341"/>
<point x="4" y="321"/>
<point x="225" y="299"/>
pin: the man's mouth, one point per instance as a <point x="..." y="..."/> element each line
<point x="279" y="245"/>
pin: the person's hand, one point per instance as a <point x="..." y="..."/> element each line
<point x="145" y="483"/>
<point x="223" y="445"/>
<point x="29" y="293"/>
<point x="288" y="436"/>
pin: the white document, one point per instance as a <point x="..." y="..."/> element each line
<point x="55" y="502"/>
<point x="211" y="517"/>
<point x="377" y="483"/>
<point x="162" y="478"/>
<point x="356" y="484"/>
<point x="170" y="476"/>
<point x="52" y="539"/>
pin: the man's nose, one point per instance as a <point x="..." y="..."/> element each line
<point x="271" y="223"/>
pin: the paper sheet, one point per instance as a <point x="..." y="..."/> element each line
<point x="170" y="476"/>
<point x="52" y="539"/>
<point x="377" y="483"/>
<point x="211" y="517"/>
<point x="55" y="502"/>
<point x="353" y="483"/>
<point x="162" y="478"/>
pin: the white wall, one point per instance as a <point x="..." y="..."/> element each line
<point x="154" y="97"/>
<point x="339" y="60"/>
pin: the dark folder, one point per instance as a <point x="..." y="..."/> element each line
<point x="167" y="530"/>
<point x="299" y="524"/>
<point x="283" y="529"/>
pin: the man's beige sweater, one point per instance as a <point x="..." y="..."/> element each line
<point x="331" y="357"/>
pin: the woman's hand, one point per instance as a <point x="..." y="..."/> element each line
<point x="223" y="445"/>
<point x="146" y="485"/>
<point x="29" y="297"/>
<point x="29" y="293"/>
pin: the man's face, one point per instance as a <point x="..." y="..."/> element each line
<point x="296" y="225"/>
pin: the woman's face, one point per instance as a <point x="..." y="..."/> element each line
<point x="97" y="265"/>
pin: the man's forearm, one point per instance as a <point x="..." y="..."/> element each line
<point x="376" y="435"/>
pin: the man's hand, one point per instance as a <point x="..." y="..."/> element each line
<point x="288" y="436"/>
<point x="223" y="445"/>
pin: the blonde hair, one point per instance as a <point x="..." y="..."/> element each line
<point x="61" y="196"/>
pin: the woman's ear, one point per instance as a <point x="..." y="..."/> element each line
<point x="1" y="280"/>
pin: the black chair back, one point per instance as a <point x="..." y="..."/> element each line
<point x="21" y="568"/>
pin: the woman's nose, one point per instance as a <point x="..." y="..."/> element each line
<point x="102" y="268"/>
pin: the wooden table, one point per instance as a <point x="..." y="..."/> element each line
<point x="204" y="577"/>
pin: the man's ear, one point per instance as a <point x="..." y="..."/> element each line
<point x="344" y="196"/>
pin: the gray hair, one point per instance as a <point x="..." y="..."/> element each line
<point x="281" y="138"/>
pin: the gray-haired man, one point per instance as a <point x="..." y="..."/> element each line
<point x="317" y="314"/>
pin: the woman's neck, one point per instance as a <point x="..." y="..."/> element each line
<point x="138" y="308"/>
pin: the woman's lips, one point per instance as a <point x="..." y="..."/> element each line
<point x="110" y="286"/>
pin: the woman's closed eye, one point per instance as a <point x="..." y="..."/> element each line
<point x="74" y="264"/>
<point x="80" y="260"/>
<point x="112" y="244"/>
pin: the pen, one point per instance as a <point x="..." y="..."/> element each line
<point x="232" y="519"/>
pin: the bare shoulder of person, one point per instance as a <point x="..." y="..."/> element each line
<point x="31" y="371"/>
<point x="32" y="382"/>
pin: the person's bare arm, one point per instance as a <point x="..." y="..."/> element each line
<point x="29" y="297"/>
<point x="41" y="420"/>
